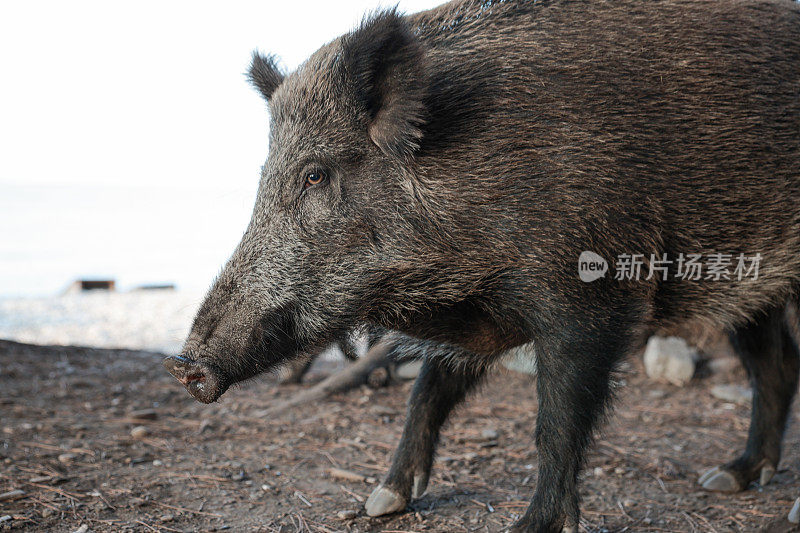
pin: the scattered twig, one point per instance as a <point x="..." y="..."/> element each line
<point x="299" y="496"/>
<point x="12" y="495"/>
<point x="352" y="376"/>
<point x="346" y="475"/>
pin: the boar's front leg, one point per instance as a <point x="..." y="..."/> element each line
<point x="437" y="390"/>
<point x="574" y="367"/>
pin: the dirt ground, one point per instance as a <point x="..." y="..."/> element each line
<point x="66" y="441"/>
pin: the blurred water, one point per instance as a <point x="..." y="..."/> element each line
<point x="145" y="320"/>
<point x="51" y="235"/>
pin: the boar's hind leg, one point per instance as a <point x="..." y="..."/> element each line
<point x="574" y="369"/>
<point x="437" y="390"/>
<point x="769" y="353"/>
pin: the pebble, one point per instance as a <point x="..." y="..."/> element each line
<point x="83" y="529"/>
<point x="732" y="393"/>
<point x="794" y="514"/>
<point x="167" y="518"/>
<point x="490" y="434"/>
<point x="670" y="359"/>
<point x="346" y="514"/>
<point x="139" y="432"/>
<point x="66" y="458"/>
<point x="158" y="462"/>
<point x="5" y="518"/>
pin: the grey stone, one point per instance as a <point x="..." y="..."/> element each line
<point x="521" y="359"/>
<point x="409" y="370"/>
<point x="490" y="434"/>
<point x="723" y="365"/>
<point x="794" y="514"/>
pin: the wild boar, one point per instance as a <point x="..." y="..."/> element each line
<point x="462" y="174"/>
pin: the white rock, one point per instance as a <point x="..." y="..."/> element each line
<point x="520" y="359"/>
<point x="670" y="359"/>
<point x="733" y="393"/>
<point x="794" y="514"/>
<point x="723" y="365"/>
<point x="409" y="370"/>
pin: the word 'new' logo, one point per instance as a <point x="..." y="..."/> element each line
<point x="591" y="266"/>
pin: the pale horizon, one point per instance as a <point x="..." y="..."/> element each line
<point x="102" y="97"/>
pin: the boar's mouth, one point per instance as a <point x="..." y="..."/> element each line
<point x="203" y="381"/>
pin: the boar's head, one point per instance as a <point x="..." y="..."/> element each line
<point x="341" y="231"/>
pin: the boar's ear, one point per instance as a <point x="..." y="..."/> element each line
<point x="264" y="74"/>
<point x="384" y="63"/>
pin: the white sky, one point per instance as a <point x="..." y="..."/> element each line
<point x="100" y="97"/>
<point x="148" y="92"/>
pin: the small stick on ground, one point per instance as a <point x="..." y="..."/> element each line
<point x="353" y="376"/>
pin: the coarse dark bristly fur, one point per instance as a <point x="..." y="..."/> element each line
<point x="440" y="173"/>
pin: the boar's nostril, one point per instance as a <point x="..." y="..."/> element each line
<point x="185" y="370"/>
<point x="191" y="378"/>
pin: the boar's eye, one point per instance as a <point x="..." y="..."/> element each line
<point x="315" y="177"/>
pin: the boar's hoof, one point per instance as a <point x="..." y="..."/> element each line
<point x="767" y="471"/>
<point x="420" y="484"/>
<point x="384" y="500"/>
<point x="719" y="480"/>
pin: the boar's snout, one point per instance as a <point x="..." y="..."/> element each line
<point x="203" y="382"/>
